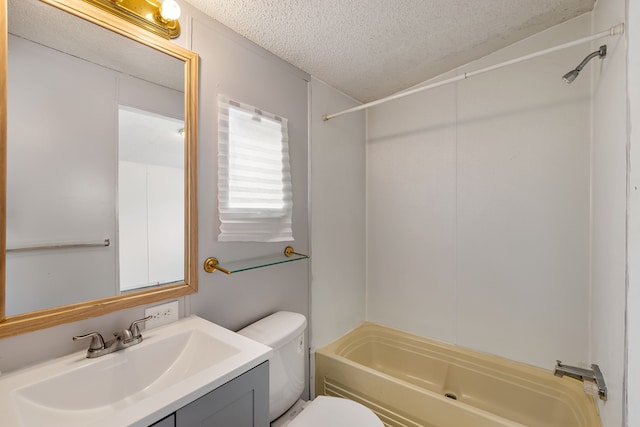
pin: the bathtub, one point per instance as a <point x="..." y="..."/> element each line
<point x="410" y="381"/>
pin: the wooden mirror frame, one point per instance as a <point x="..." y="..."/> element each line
<point x="27" y="322"/>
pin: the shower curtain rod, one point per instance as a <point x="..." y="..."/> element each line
<point x="613" y="31"/>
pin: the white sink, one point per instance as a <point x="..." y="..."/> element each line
<point x="174" y="365"/>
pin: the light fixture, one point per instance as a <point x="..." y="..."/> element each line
<point x="160" y="18"/>
<point x="170" y="10"/>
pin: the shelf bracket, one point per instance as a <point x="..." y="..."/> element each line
<point x="211" y="264"/>
<point x="289" y="252"/>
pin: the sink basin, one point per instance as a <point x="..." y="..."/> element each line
<point x="174" y="365"/>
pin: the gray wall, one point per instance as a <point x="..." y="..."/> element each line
<point x="233" y="66"/>
<point x="236" y="68"/>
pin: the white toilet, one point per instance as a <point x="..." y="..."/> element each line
<point x="284" y="332"/>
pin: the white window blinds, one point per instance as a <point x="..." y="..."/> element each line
<point x="254" y="177"/>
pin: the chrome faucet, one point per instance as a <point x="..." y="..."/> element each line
<point x="123" y="339"/>
<point x="594" y="374"/>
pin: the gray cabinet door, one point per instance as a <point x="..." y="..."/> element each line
<point x="242" y="402"/>
<point x="169" y="421"/>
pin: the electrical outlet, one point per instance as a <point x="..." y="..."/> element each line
<point x="161" y="314"/>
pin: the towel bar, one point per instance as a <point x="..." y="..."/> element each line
<point x="104" y="243"/>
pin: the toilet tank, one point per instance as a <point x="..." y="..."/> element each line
<point x="284" y="333"/>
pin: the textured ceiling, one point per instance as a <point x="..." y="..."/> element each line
<point x="373" y="48"/>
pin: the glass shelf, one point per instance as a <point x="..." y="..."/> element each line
<point x="211" y="264"/>
<point x="252" y="264"/>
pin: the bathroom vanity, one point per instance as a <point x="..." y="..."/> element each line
<point x="190" y="372"/>
<point x="242" y="402"/>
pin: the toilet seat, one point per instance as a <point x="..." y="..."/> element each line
<point x="325" y="411"/>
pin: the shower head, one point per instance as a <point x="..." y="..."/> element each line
<point x="571" y="75"/>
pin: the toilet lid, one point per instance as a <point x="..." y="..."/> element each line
<point x="327" y="411"/>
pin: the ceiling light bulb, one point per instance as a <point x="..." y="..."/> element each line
<point x="170" y="10"/>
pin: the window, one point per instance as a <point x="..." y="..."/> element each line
<point x="254" y="178"/>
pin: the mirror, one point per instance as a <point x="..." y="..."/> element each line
<point x="99" y="211"/>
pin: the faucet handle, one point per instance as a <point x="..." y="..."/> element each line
<point x="125" y="336"/>
<point x="97" y="342"/>
<point x="135" y="331"/>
